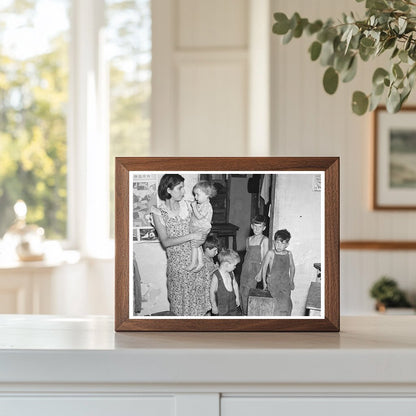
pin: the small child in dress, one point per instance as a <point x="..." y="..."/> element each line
<point x="256" y="246"/>
<point x="225" y="299"/>
<point x="200" y="221"/>
<point x="280" y="279"/>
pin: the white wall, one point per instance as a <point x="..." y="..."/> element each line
<point x="200" y="74"/>
<point x="297" y="207"/>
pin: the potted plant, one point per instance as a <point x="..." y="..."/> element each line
<point x="387" y="294"/>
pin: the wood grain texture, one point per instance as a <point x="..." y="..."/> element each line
<point x="378" y="245"/>
<point x="330" y="165"/>
<point x="121" y="244"/>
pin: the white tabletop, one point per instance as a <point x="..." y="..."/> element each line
<point x="373" y="349"/>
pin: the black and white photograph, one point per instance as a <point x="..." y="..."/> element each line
<point x="227" y="244"/>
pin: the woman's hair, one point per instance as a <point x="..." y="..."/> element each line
<point x="168" y="181"/>
<point x="228" y="255"/>
<point x="283" y="235"/>
<point x="206" y="187"/>
<point x="211" y="242"/>
<point x="259" y="219"/>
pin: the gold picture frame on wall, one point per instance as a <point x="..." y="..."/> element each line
<point x="394" y="152"/>
<point x="156" y="288"/>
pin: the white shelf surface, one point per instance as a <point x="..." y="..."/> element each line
<point x="371" y="350"/>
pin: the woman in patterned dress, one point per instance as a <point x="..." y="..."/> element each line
<point x="171" y="221"/>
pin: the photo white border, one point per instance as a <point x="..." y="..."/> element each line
<point x="240" y="172"/>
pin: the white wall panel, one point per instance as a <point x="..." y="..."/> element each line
<point x="212" y="24"/>
<point x="212" y="108"/>
<point x="308" y="122"/>
<point x="199" y="103"/>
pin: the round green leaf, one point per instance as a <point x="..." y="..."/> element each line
<point x="315" y="50"/>
<point x="330" y="80"/>
<point x="327" y="54"/>
<point x="397" y="71"/>
<point x="374" y="102"/>
<point x="314" y="27"/>
<point x="408" y="42"/>
<point x="351" y="71"/>
<point x="367" y="42"/>
<point x="403" y="56"/>
<point x="281" y="26"/>
<point x="379" y="75"/>
<point x="288" y="37"/>
<point x="378" y="90"/>
<point x="359" y="103"/>
<point x="395" y="52"/>
<point x="389" y="43"/>
<point x="393" y="101"/>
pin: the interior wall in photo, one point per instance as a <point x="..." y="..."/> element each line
<point x="297" y="208"/>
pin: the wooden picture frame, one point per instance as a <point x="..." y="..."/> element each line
<point x="394" y="159"/>
<point x="283" y="178"/>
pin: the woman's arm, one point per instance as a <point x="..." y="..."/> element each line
<point x="212" y="291"/>
<point x="169" y="241"/>
<point x="292" y="270"/>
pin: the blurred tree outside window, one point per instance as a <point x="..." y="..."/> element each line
<point x="34" y="94"/>
<point x="33" y="101"/>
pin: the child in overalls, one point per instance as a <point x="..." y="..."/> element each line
<point x="280" y="279"/>
<point x="256" y="246"/>
<point x="225" y="299"/>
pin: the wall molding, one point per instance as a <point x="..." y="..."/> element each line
<point x="377" y="245"/>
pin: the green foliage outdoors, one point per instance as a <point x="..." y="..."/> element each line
<point x="389" y="27"/>
<point x="386" y="291"/>
<point x="33" y="95"/>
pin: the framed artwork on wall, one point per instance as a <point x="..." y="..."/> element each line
<point x="394" y="179"/>
<point x="173" y="270"/>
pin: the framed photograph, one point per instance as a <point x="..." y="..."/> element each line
<point x="265" y="257"/>
<point x="395" y="159"/>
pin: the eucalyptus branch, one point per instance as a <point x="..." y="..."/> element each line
<point x="389" y="25"/>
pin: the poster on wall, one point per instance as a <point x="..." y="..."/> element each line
<point x="194" y="275"/>
<point x="144" y="197"/>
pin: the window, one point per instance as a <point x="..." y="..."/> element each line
<point x="75" y="87"/>
<point x="33" y="98"/>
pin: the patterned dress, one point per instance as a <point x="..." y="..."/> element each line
<point x="186" y="290"/>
